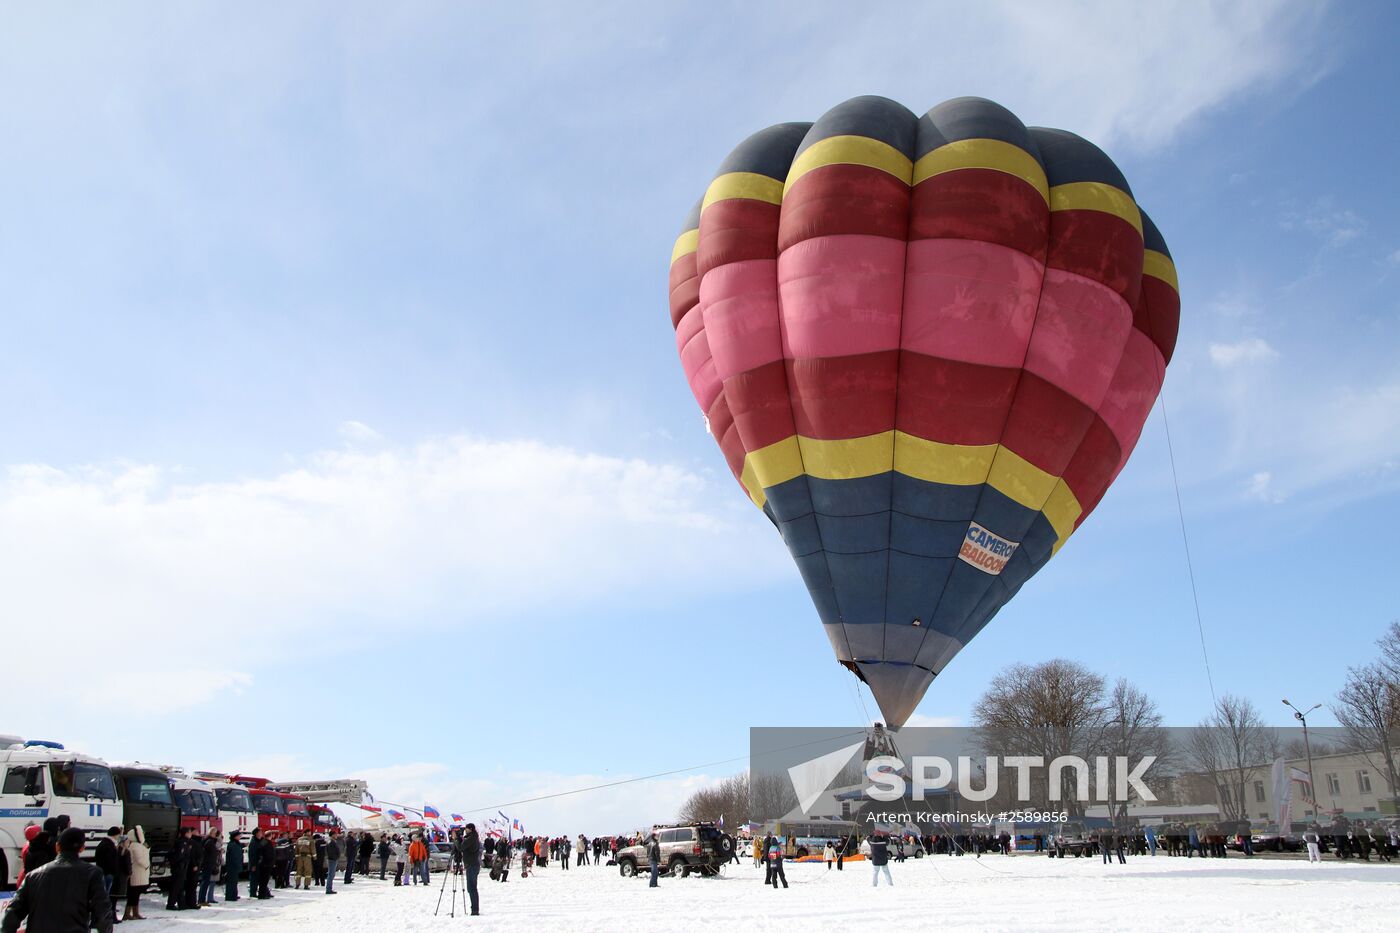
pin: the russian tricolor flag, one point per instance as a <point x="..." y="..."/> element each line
<point x="430" y="811"/>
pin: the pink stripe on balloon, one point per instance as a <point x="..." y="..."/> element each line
<point x="841" y="295"/>
<point x="970" y="301"/>
<point x="1080" y="330"/>
<point x="696" y="360"/>
<point x="740" y="305"/>
<point x="1133" y="390"/>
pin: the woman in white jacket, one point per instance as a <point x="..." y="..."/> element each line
<point x="140" y="873"/>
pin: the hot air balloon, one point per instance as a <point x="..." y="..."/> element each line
<point x="926" y="347"/>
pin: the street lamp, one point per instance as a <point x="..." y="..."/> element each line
<point x="1302" y="716"/>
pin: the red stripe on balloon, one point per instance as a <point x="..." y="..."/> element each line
<point x="844" y="199"/>
<point x="1099" y="246"/>
<point x="981" y="204"/>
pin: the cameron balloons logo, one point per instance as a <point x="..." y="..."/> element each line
<point x="986" y="551"/>
<point x="900" y="328"/>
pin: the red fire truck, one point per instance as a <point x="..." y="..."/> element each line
<point x="298" y="813"/>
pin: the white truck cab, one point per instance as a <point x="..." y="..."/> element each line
<point x="235" y="808"/>
<point x="39" y="780"/>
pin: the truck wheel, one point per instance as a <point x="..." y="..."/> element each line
<point x="725" y="845"/>
<point x="678" y="868"/>
<point x="627" y="867"/>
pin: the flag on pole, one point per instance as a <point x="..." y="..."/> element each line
<point x="458" y="818"/>
<point x="430" y="811"/>
<point x="397" y="815"/>
<point x="721" y="821"/>
<point x="365" y="806"/>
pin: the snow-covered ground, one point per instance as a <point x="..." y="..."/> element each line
<point x="992" y="893"/>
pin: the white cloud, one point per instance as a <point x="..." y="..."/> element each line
<point x="1249" y="350"/>
<point x="357" y="432"/>
<point x="1335" y="226"/>
<point x="1260" y="487"/>
<point x="1393" y="259"/>
<point x="926" y="721"/>
<point x="449" y="531"/>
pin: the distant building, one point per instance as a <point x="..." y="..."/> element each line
<point x="1345" y="783"/>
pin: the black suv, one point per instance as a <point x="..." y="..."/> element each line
<point x="685" y="847"/>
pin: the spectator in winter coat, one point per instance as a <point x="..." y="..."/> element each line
<point x="366" y="850"/>
<point x="879" y="859"/>
<point x="775" y="863"/>
<point x="351" y="854"/>
<point x="471" y="864"/>
<point x="417" y="858"/>
<point x="654" y="856"/>
<point x="194" y="865"/>
<point x="121" y="881"/>
<point x="267" y="858"/>
<point x="65" y="895"/>
<point x="581" y="849"/>
<point x="209" y="870"/>
<point x="105" y="858"/>
<point x="179" y="861"/>
<point x="140" y="873"/>
<point x="233" y="864"/>
<point x="283" y="854"/>
<point x="829" y="853"/>
<point x="399" y="852"/>
<point x="31" y="856"/>
<point x="384" y="853"/>
<point x="332" y="860"/>
<point x="254" y="855"/>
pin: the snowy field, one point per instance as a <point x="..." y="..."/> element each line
<point x="993" y="893"/>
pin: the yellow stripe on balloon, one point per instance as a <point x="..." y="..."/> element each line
<point x="1160" y="266"/>
<point x="1096" y="196"/>
<point x="686" y="243"/>
<point x="950" y="464"/>
<point x="748" y="185"/>
<point x="991" y="154"/>
<point x="851" y="150"/>
<point x="1062" y="510"/>
<point x="1020" y="480"/>
<point x="850" y="458"/>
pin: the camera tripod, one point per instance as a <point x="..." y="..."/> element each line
<point x="454" y="871"/>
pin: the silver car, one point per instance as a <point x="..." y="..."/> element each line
<point x="701" y="848"/>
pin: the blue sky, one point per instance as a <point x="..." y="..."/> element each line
<point x="337" y="372"/>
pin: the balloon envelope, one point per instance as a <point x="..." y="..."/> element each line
<point x="926" y="347"/>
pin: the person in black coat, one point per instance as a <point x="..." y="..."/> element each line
<point x="282" y="861"/>
<point x="366" y="850"/>
<point x="254" y="856"/>
<point x="208" y="869"/>
<point x="350" y="853"/>
<point x="194" y="864"/>
<point x="105" y="858"/>
<point x="384" y="853"/>
<point x="233" y="864"/>
<point x="332" y="858"/>
<point x="267" y="858"/>
<point x="66" y="894"/>
<point x="179" y="862"/>
<point x="471" y="861"/>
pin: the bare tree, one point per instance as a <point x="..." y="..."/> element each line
<point x="770" y="795"/>
<point x="1390" y="652"/>
<point x="1048" y="710"/>
<point x="1230" y="748"/>
<point x="729" y="798"/>
<point x="1368" y="707"/>
<point x="1133" y="730"/>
